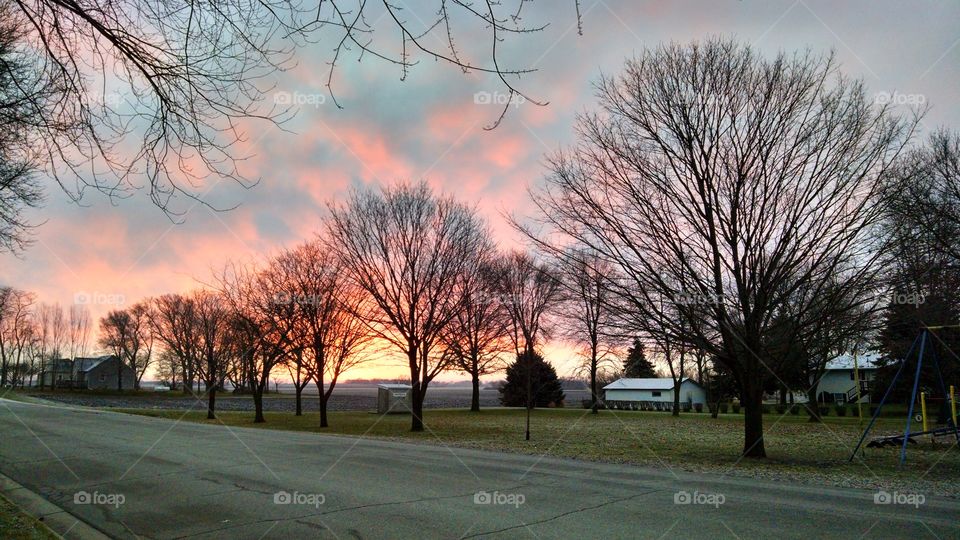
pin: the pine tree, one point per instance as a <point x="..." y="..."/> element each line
<point x="545" y="386"/>
<point x="636" y="365"/>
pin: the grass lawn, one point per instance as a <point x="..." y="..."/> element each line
<point x="797" y="449"/>
<point x="15" y="525"/>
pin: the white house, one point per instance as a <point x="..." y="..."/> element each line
<point x="659" y="390"/>
<point x="837" y="384"/>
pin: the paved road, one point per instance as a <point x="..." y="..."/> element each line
<point x="195" y="481"/>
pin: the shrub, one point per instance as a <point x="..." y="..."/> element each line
<point x="724" y="407"/>
<point x="794" y="409"/>
<point x="736" y="407"/>
<point x="686" y="407"/>
<point x="712" y="407"/>
<point x="824" y="410"/>
<point x="781" y="408"/>
<point x="841" y="409"/>
<point x="765" y="409"/>
<point x="698" y="407"/>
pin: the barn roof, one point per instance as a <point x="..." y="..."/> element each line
<point x="656" y="383"/>
<point x="845" y="362"/>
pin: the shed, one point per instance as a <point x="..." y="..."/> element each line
<point x="394" y="398"/>
<point x="654" y="390"/>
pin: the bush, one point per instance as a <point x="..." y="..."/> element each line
<point x="841" y="409"/>
<point x="724" y="407"/>
<point x="781" y="408"/>
<point x="686" y="407"/>
<point x="698" y="407"/>
<point x="824" y="410"/>
<point x="736" y="407"/>
<point x="795" y="409"/>
<point x="765" y="409"/>
<point x="712" y="407"/>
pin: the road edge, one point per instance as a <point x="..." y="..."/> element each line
<point x="54" y="518"/>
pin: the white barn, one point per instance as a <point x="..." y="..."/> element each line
<point x="654" y="390"/>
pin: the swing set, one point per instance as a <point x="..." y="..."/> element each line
<point x="908" y="436"/>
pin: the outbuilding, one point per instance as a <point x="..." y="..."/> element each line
<point x="394" y="398"/>
<point x="654" y="391"/>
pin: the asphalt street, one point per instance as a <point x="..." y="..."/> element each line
<point x="131" y="476"/>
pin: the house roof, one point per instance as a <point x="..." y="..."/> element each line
<point x="657" y="383"/>
<point x="845" y="362"/>
<point x="86" y="364"/>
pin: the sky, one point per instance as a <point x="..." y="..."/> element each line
<point x="430" y="126"/>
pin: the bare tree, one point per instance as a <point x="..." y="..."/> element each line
<point x="212" y="324"/>
<point x="528" y="289"/>
<point x="478" y="334"/>
<point x="587" y="309"/>
<point x="333" y="337"/>
<point x="79" y="329"/>
<point x="714" y="173"/>
<point x="16" y="328"/>
<point x="261" y="329"/>
<point x="116" y="335"/>
<point x="174" y="323"/>
<point x="409" y="250"/>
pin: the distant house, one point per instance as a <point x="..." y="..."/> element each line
<point x="653" y="390"/>
<point x="837" y="384"/>
<point x="101" y="373"/>
<point x="97" y="373"/>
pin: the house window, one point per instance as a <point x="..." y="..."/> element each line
<point x="103" y="377"/>
<point x="656" y="393"/>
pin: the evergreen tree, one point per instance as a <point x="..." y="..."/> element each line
<point x="545" y="387"/>
<point x="636" y="365"/>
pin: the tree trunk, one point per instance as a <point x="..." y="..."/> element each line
<point x="211" y="399"/>
<point x="593" y="382"/>
<point x="530" y="402"/>
<point x="752" y="400"/>
<point x="813" y="411"/>
<point x="258" y="403"/>
<point x="323" y="399"/>
<point x="676" y="396"/>
<point x="475" y="399"/>
<point x="299" y="401"/>
<point x="417" y="412"/>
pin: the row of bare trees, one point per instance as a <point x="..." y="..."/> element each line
<point x="33" y="335"/>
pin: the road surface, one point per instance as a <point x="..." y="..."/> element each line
<point x="133" y="476"/>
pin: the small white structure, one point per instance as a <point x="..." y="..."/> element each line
<point x="656" y="390"/>
<point x="394" y="398"/>
<point x="837" y="384"/>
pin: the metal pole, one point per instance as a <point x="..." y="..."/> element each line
<point x="883" y="400"/>
<point x="913" y="398"/>
<point x="943" y="388"/>
<point x="856" y="383"/>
